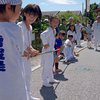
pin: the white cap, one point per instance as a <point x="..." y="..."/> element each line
<point x="99" y="6"/>
<point x="12" y="2"/>
<point x="70" y="18"/>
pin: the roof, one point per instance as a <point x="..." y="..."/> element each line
<point x="49" y="12"/>
<point x="46" y="13"/>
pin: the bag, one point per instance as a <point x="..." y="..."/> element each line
<point x="86" y="35"/>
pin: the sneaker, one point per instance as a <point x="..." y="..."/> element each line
<point x="61" y="57"/>
<point x="32" y="98"/>
<point x="48" y="85"/>
<point x="54" y="81"/>
<point x="58" y="70"/>
<point x="54" y="73"/>
<point x="66" y="62"/>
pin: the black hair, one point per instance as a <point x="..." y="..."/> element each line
<point x="32" y="9"/>
<point x="52" y="17"/>
<point x="3" y="7"/>
<point x="63" y="33"/>
<point x="73" y="26"/>
<point x="63" y="19"/>
<point x="70" y="35"/>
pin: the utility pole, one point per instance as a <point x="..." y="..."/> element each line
<point x="82" y="11"/>
<point x="86" y="13"/>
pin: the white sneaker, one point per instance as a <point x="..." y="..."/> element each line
<point x="48" y="85"/>
<point x="32" y="98"/>
<point x="54" y="81"/>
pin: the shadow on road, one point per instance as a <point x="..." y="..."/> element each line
<point x="98" y="50"/>
<point x="48" y="93"/>
<point x="61" y="76"/>
<point x="74" y="60"/>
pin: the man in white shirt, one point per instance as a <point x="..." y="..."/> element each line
<point x="78" y="28"/>
<point x="96" y="28"/>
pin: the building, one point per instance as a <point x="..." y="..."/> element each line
<point x="47" y="13"/>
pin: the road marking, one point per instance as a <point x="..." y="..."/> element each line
<point x="81" y="43"/>
<point x="37" y="67"/>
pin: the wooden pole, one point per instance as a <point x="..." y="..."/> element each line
<point x="43" y="53"/>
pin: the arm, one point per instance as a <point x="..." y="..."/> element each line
<point x="68" y="45"/>
<point x="44" y="36"/>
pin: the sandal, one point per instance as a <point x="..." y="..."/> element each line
<point x="66" y="62"/>
<point x="54" y="73"/>
<point x="58" y="70"/>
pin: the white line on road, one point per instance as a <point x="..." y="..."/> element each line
<point x="35" y="68"/>
<point x="81" y="44"/>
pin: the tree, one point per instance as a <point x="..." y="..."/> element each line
<point x="38" y="28"/>
<point x="92" y="13"/>
<point x="69" y="14"/>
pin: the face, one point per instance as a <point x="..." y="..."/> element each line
<point x="54" y="23"/>
<point x="70" y="38"/>
<point x="71" y="20"/>
<point x="98" y="19"/>
<point x="64" y="22"/>
<point x="72" y="28"/>
<point x="62" y="37"/>
<point x="14" y="15"/>
<point x="30" y="18"/>
<point x="77" y="23"/>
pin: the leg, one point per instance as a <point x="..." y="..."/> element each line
<point x="95" y="42"/>
<point x="79" y="42"/>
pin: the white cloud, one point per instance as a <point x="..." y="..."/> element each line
<point x="62" y="1"/>
<point x="44" y="4"/>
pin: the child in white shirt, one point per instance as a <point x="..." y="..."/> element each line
<point x="30" y="14"/>
<point x="72" y="32"/>
<point x="78" y="28"/>
<point x="67" y="51"/>
<point x="47" y="60"/>
<point x="12" y="79"/>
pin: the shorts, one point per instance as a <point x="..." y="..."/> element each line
<point x="55" y="54"/>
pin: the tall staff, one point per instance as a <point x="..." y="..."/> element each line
<point x="86" y="12"/>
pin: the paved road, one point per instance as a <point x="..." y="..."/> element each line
<point x="75" y="84"/>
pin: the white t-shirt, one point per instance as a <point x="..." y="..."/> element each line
<point x="68" y="42"/>
<point x="67" y="48"/>
<point x="26" y="34"/>
<point x="27" y="37"/>
<point x="96" y="28"/>
<point x="48" y="38"/>
<point x="78" y="29"/>
<point x="12" y="79"/>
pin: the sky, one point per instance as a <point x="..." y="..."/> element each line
<point x="59" y="5"/>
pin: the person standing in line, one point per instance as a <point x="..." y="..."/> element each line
<point x="72" y="32"/>
<point x="12" y="78"/>
<point x="71" y="21"/>
<point x="47" y="60"/>
<point x="89" y="33"/>
<point x="30" y="14"/>
<point x="63" y="27"/>
<point x="96" y="29"/>
<point x="58" y="45"/>
<point x="67" y="51"/>
<point x="78" y="28"/>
